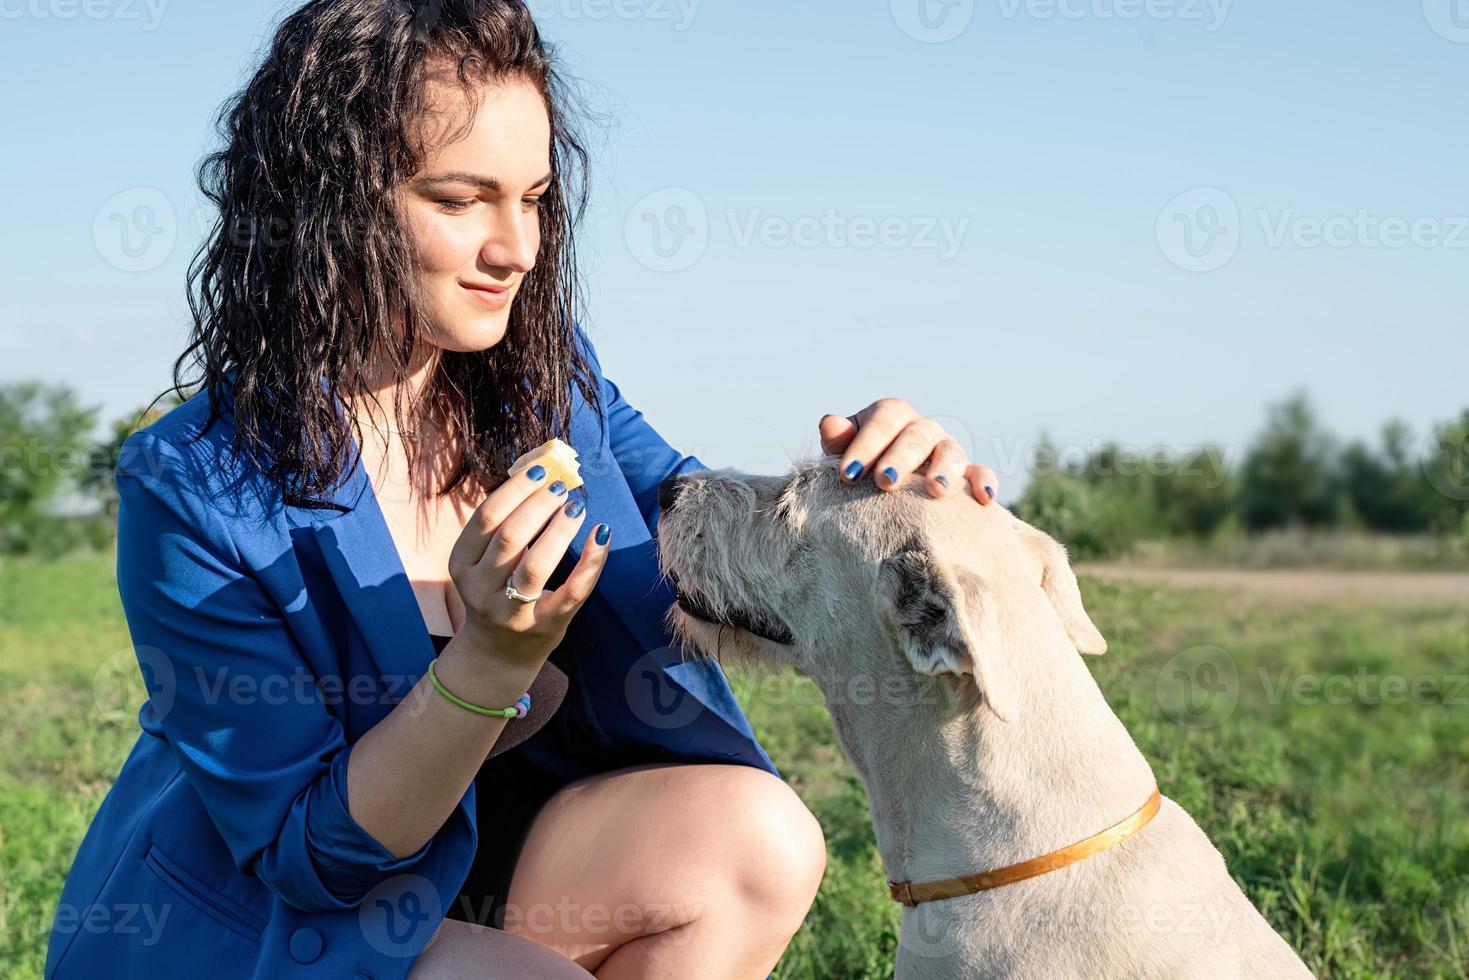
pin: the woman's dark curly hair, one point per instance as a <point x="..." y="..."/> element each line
<point x="306" y="282"/>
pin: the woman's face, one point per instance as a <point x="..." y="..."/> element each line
<point x="473" y="210"/>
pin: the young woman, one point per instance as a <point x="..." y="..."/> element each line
<point x="397" y="194"/>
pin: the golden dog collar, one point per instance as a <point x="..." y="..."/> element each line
<point x="910" y="894"/>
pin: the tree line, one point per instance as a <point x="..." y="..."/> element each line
<point x="57" y="492"/>
<point x="1294" y="475"/>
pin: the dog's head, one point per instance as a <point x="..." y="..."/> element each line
<point x="841" y="580"/>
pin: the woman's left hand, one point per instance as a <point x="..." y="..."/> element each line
<point x="890" y="440"/>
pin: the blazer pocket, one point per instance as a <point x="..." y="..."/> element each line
<point x="226" y="911"/>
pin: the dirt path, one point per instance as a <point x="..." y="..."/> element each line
<point x="1303" y="585"/>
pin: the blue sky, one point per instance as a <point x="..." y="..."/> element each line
<point x="1138" y="220"/>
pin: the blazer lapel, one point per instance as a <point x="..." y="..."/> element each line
<point x="358" y="550"/>
<point x="364" y="564"/>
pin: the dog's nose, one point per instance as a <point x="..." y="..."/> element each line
<point x="668" y="492"/>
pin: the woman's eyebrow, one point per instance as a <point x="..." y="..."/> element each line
<point x="478" y="180"/>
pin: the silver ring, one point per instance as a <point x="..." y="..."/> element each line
<point x="511" y="592"/>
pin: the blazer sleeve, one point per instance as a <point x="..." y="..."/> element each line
<point x="644" y="457"/>
<point x="231" y="692"/>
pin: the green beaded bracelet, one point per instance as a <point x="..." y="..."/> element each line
<point x="520" y="709"/>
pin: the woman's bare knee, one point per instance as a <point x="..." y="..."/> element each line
<point x="466" y="951"/>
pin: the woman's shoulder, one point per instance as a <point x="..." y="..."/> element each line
<point x="185" y="451"/>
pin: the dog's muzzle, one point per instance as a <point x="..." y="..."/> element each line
<point x="766" y="627"/>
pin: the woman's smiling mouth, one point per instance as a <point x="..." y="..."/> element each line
<point x="494" y="297"/>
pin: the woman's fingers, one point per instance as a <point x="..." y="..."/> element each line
<point x="540" y="560"/>
<point x="948" y="461"/>
<point x="565" y="601"/>
<point x="517" y="531"/>
<point x="983" y="484"/>
<point x="499" y="504"/>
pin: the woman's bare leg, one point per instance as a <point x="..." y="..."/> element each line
<point x="669" y="871"/>
<point x="465" y="951"/>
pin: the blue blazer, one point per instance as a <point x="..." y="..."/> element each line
<point x="270" y="639"/>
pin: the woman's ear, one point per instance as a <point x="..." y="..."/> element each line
<point x="1058" y="581"/>
<point x="946" y="622"/>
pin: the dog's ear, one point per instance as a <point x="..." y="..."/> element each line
<point x="1058" y="581"/>
<point x="946" y="622"/>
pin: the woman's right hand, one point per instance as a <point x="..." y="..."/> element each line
<point x="495" y="549"/>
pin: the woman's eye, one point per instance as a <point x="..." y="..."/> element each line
<point x="455" y="205"/>
<point x="531" y="202"/>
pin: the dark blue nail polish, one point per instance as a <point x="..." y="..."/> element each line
<point x="536" y="472"/>
<point x="557" y="488"/>
<point x="990" y="491"/>
<point x="941" y="480"/>
<point x="853" y="470"/>
<point x="575" y="508"/>
<point x="604" y="533"/>
<point x="891" y="474"/>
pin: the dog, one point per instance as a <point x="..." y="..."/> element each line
<point x="943" y="636"/>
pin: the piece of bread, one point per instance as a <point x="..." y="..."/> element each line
<point x="557" y="457"/>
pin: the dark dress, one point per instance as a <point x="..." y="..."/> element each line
<point x="509" y="791"/>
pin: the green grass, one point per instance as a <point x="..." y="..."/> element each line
<point x="1347" y="824"/>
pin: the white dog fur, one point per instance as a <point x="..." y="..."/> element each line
<point x="944" y="636"/>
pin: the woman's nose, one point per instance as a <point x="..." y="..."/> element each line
<point x="510" y="244"/>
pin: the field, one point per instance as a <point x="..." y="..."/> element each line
<point x="1329" y="762"/>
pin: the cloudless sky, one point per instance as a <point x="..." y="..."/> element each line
<point x="1139" y="220"/>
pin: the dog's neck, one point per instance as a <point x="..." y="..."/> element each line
<point x="954" y="790"/>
